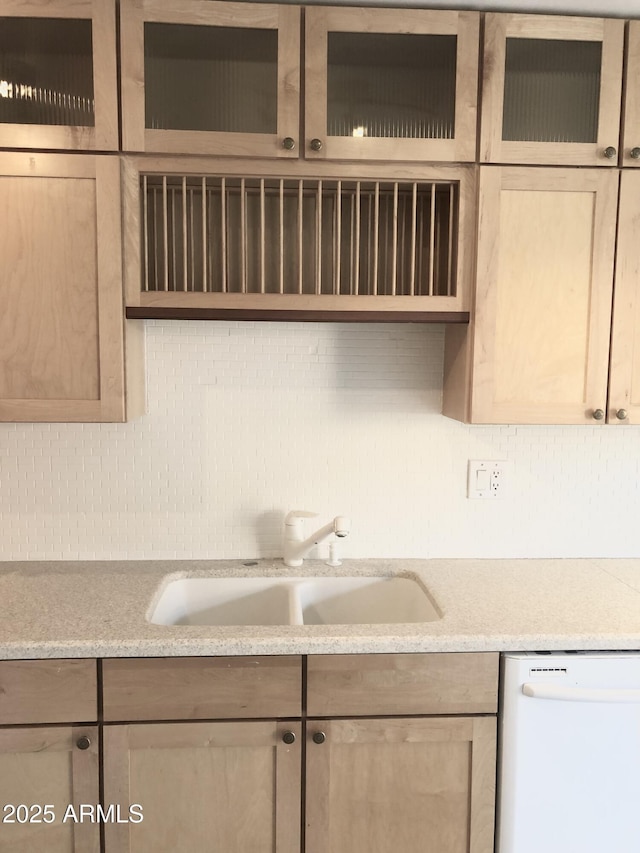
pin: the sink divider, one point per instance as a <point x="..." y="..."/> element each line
<point x="295" y="605"/>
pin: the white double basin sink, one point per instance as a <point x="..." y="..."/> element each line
<point x="319" y="600"/>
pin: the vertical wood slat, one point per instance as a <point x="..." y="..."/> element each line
<point x="174" y="251"/>
<point x="394" y="242"/>
<point x="204" y="235"/>
<point x="319" y="239"/>
<point x="185" y="257"/>
<point x="338" y="238"/>
<point x="145" y="220"/>
<point x="357" y="246"/>
<point x="432" y="232"/>
<point x="376" y="237"/>
<point x="223" y="234"/>
<point x="165" y="236"/>
<point x="450" y="253"/>
<point x="281" y="242"/>
<point x="192" y="247"/>
<point x="414" y="211"/>
<point x="243" y="237"/>
<point x="262" y="237"/>
<point x="300" y="232"/>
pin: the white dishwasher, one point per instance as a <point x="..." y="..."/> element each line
<point x="569" y="772"/>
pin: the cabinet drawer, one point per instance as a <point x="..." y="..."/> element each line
<point x="202" y="688"/>
<point x="48" y="691"/>
<point x="366" y="685"/>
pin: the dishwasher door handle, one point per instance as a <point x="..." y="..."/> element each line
<point x="581" y="694"/>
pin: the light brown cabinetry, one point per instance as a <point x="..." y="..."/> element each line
<point x="381" y="85"/>
<point x="210" y="77"/>
<point x="551" y="90"/>
<point x="58" y="84"/>
<point x="224" y="78"/>
<point x="631" y="125"/>
<point x="45" y="769"/>
<point x="545" y="345"/>
<point x="62" y="332"/>
<point x="396" y="782"/>
<point x="388" y="775"/>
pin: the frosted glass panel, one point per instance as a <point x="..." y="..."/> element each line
<point x="389" y="85"/>
<point x="46" y="72"/>
<point x="211" y="78"/>
<point x="551" y="91"/>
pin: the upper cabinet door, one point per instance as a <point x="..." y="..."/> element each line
<point x="58" y="84"/>
<point x="391" y="85"/>
<point x="551" y="90"/>
<point x="202" y="77"/>
<point x="631" y="133"/>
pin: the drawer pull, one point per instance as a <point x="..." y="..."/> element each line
<point x="83" y="742"/>
<point x="289" y="737"/>
<point x="319" y="737"/>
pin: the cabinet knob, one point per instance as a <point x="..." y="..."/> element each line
<point x="610" y="152"/>
<point x="635" y="153"/>
<point x="622" y="414"/>
<point x="319" y="737"/>
<point x="83" y="742"/>
<point x="598" y="414"/>
<point x="289" y="143"/>
<point x="289" y="737"/>
<point x="316" y="144"/>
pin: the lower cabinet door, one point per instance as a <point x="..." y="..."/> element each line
<point x="203" y="787"/>
<point x="49" y="790"/>
<point x="419" y="785"/>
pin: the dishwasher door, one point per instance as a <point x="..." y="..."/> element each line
<point x="569" y="772"/>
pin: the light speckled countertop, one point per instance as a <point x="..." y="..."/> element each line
<point x="98" y="609"/>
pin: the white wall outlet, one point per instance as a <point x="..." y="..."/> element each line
<point x="485" y="479"/>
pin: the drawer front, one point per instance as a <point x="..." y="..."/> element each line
<point x="368" y="685"/>
<point x="223" y="688"/>
<point x="48" y="691"/>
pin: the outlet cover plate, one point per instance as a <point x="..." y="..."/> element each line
<point x="486" y="479"/>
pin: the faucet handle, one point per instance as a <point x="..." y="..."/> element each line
<point x="293" y="516"/>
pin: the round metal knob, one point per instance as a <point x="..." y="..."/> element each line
<point x="598" y="414"/>
<point x="319" y="737"/>
<point x="622" y="414"/>
<point x="610" y="152"/>
<point x="316" y="144"/>
<point x="289" y="737"/>
<point x="289" y="143"/>
<point x="83" y="742"/>
<point x="635" y="153"/>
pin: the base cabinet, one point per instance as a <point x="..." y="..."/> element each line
<point x="419" y="785"/>
<point x="204" y="786"/>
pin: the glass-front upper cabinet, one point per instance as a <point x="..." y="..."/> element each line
<point x="58" y="84"/>
<point x="551" y="90"/>
<point x="206" y="77"/>
<point x="391" y="84"/>
<point x="631" y="132"/>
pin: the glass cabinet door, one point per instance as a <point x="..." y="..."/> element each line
<point x="387" y="85"/>
<point x="551" y="90"/>
<point x="209" y="77"/>
<point x="58" y="84"/>
<point x="631" y="132"/>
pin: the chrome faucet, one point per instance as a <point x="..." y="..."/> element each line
<point x="295" y="547"/>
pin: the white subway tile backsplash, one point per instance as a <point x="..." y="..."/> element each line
<point x="247" y="420"/>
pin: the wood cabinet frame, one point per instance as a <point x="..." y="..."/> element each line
<point x="631" y="123"/>
<point x="284" y="19"/>
<point x="624" y="371"/>
<point x="83" y="787"/>
<point x="104" y="135"/>
<point x="310" y="304"/>
<point x="498" y="28"/>
<point x="112" y="394"/>
<point x="322" y="20"/>
<point x="471" y="366"/>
